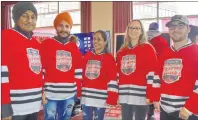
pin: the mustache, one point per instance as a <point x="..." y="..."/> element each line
<point x="64" y="32"/>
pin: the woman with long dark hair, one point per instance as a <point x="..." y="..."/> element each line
<point x="99" y="85"/>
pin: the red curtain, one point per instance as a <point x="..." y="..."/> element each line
<point x="6" y="14"/>
<point x="122" y="15"/>
<point x="85" y="16"/>
<point x="3" y="3"/>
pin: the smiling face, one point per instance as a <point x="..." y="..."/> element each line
<point x="178" y="31"/>
<point x="98" y="42"/>
<point x="27" y="22"/>
<point x="134" y="30"/>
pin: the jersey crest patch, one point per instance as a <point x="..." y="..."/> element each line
<point x="34" y="60"/>
<point x="93" y="69"/>
<point x="63" y="60"/>
<point x="128" y="64"/>
<point x="172" y="70"/>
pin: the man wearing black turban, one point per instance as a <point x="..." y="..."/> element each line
<point x="21" y="66"/>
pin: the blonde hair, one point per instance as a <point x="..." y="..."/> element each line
<point x="127" y="39"/>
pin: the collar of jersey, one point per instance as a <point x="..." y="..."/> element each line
<point x="61" y="42"/>
<point x="93" y="51"/>
<point x="132" y="47"/>
<point x="189" y="43"/>
<point x="22" y="34"/>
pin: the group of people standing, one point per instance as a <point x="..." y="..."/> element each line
<point x="55" y="73"/>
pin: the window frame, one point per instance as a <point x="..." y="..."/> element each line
<point x="157" y="12"/>
<point x="54" y="12"/>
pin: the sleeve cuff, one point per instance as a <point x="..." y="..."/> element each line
<point x="6" y="110"/>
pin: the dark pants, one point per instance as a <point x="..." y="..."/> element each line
<point x="139" y="111"/>
<point x="174" y="116"/>
<point x="169" y="116"/>
<point x="150" y="111"/>
<point x="33" y="116"/>
<point x="193" y="117"/>
<point x="89" y="111"/>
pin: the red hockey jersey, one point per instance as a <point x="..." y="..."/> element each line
<point x="62" y="69"/>
<point x="178" y="71"/>
<point x="21" y="73"/>
<point x="99" y="80"/>
<point x="136" y="72"/>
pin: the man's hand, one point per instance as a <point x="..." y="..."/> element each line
<point x="148" y="101"/>
<point x="118" y="102"/>
<point x="183" y="114"/>
<point x="7" y="118"/>
<point x="157" y="106"/>
<point x="44" y="99"/>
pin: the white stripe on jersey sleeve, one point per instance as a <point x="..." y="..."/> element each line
<point x="4" y="74"/>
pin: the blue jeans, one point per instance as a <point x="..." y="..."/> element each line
<point x="62" y="108"/>
<point x="88" y="113"/>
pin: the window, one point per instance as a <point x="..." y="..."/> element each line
<point x="184" y="8"/>
<point x="143" y="10"/>
<point x="161" y="12"/>
<point x="47" y="12"/>
<point x="146" y="23"/>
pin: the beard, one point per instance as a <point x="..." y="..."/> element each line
<point x="63" y="34"/>
<point x="177" y="37"/>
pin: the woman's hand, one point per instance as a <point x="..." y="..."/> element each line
<point x="44" y="99"/>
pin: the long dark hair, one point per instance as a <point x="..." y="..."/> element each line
<point x="104" y="36"/>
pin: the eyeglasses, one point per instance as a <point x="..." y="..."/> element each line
<point x="179" y="26"/>
<point x="134" y="28"/>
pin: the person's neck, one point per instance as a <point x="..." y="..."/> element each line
<point x="99" y="51"/>
<point x="178" y="45"/>
<point x="62" y="39"/>
<point x="134" y="42"/>
<point x="26" y="34"/>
